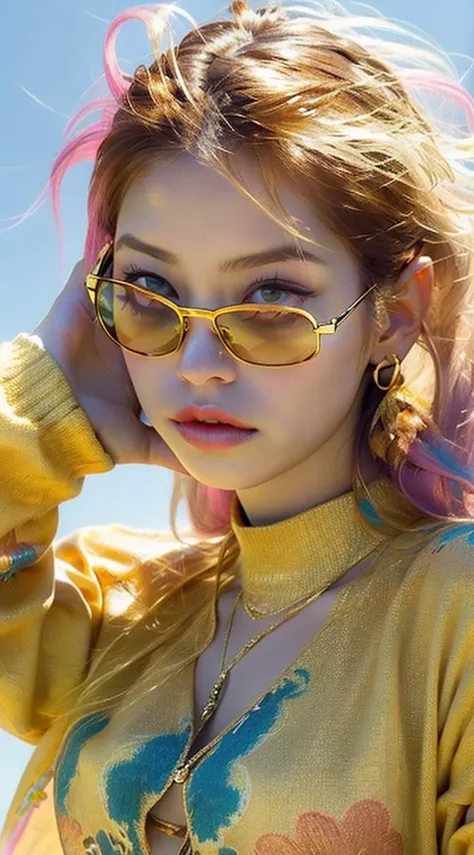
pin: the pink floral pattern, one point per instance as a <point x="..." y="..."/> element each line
<point x="71" y="835"/>
<point x="365" y="829"/>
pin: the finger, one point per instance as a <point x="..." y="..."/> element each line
<point x="77" y="276"/>
<point x="75" y="289"/>
<point x="160" y="454"/>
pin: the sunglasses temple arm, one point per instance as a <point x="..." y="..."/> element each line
<point x="332" y="325"/>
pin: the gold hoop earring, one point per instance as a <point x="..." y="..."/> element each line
<point x="396" y="379"/>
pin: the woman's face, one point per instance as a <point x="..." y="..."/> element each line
<point x="303" y="417"/>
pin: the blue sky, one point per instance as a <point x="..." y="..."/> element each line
<point x="50" y="54"/>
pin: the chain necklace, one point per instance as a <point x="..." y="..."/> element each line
<point x="258" y="614"/>
<point x="215" y="696"/>
<point x="182" y="772"/>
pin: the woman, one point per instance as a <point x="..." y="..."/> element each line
<point x="275" y="226"/>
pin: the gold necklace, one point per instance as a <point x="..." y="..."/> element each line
<point x="257" y="614"/>
<point x="210" y="707"/>
<point x="182" y="772"/>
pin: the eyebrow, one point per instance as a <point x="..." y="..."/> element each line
<point x="286" y="252"/>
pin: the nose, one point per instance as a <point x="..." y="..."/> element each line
<point x="202" y="357"/>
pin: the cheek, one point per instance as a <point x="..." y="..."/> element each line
<point x="312" y="400"/>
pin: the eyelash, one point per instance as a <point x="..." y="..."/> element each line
<point x="134" y="270"/>
<point x="271" y="282"/>
<point x="280" y="284"/>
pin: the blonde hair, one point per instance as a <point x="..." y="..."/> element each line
<point x="345" y="107"/>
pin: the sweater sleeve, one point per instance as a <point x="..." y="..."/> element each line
<point x="455" y="554"/>
<point x="51" y="601"/>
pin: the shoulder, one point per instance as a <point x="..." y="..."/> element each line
<point x="440" y="587"/>
<point x="447" y="551"/>
<point x="117" y="541"/>
<point x="147" y="561"/>
<point x="440" y="560"/>
<point x="447" y="620"/>
<point x="431" y="572"/>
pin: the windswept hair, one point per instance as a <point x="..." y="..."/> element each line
<point x="371" y="123"/>
<point x="374" y="127"/>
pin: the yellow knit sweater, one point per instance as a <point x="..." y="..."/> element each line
<point x="365" y="744"/>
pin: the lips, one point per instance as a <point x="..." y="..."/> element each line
<point x="223" y="432"/>
<point x="203" y="414"/>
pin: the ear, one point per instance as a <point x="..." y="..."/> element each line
<point x="404" y="319"/>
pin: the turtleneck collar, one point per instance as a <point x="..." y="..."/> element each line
<point x="287" y="561"/>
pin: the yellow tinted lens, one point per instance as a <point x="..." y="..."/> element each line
<point x="269" y="338"/>
<point x="136" y="321"/>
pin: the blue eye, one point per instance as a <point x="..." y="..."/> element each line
<point x="151" y="281"/>
<point x="278" y="293"/>
<point x="271" y="295"/>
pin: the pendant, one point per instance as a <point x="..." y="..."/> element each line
<point x="214" y="698"/>
<point x="181" y="774"/>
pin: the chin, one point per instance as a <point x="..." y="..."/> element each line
<point x="222" y="481"/>
<point x="221" y="476"/>
<point x="235" y="468"/>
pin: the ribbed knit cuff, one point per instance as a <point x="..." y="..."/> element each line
<point x="36" y="389"/>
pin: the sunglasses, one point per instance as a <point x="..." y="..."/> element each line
<point x="148" y="324"/>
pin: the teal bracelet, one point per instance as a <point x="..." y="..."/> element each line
<point x="12" y="564"/>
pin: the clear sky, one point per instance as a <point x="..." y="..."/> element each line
<point x="50" y="54"/>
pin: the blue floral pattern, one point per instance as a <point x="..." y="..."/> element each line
<point x="126" y="784"/>
<point x="214" y="800"/>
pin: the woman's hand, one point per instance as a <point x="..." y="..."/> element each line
<point x="96" y="371"/>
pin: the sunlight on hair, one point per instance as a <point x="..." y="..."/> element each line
<point x="371" y="123"/>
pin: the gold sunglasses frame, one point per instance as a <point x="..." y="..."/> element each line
<point x="327" y="328"/>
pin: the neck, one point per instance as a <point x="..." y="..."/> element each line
<point x="317" y="479"/>
<point x="283" y="563"/>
